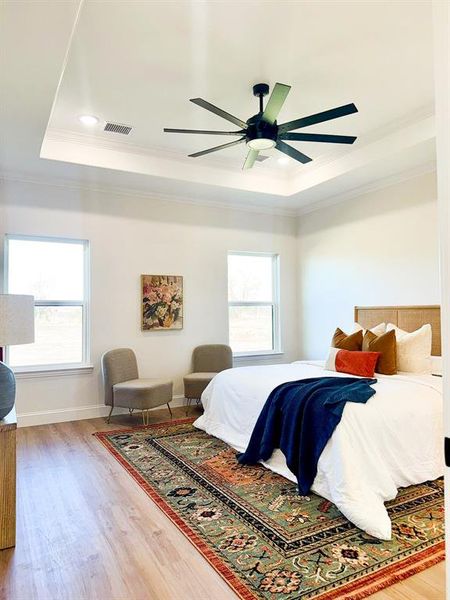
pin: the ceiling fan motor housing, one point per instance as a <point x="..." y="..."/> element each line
<point x="259" y="129"/>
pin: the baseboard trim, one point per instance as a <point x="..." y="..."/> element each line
<point x="46" y="417"/>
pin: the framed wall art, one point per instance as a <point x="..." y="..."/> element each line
<point x="162" y="302"/>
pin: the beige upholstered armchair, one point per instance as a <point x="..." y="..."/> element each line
<point x="125" y="389"/>
<point x="207" y="361"/>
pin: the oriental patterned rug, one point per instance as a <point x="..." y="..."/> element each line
<point x="263" y="538"/>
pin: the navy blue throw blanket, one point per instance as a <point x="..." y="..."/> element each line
<point x="299" y="417"/>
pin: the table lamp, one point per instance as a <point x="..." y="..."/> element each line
<point x="16" y="327"/>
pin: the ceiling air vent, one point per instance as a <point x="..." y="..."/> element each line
<point x="118" y="128"/>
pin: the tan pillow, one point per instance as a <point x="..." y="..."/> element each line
<point x="386" y="344"/>
<point x="347" y="342"/>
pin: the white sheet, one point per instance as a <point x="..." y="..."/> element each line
<point x="394" y="440"/>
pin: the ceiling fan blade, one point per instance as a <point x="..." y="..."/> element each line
<point x="275" y="103"/>
<point x="202" y="131"/>
<point x="250" y="160"/>
<point x="318" y="137"/>
<point x="327" y="115"/>
<point x="216" y="148"/>
<point x="292" y="152"/>
<point x="219" y="112"/>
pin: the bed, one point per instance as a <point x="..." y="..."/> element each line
<point x="393" y="441"/>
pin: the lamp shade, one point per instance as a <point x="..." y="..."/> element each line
<point x="16" y="319"/>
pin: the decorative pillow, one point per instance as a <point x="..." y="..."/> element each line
<point x="413" y="349"/>
<point x="347" y="342"/>
<point x="354" y="363"/>
<point x="436" y="365"/>
<point x="387" y="346"/>
<point x="377" y="330"/>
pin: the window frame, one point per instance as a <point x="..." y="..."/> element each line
<point x="85" y="304"/>
<point x="275" y="304"/>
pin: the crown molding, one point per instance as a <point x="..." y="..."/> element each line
<point x="73" y="147"/>
<point x="189" y="201"/>
<point x="375" y="135"/>
<point x="143" y="194"/>
<point x="92" y="141"/>
<point x="97" y="142"/>
<point x="119" y="159"/>
<point x="368" y="188"/>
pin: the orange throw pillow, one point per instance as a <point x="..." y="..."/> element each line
<point x="386" y="345"/>
<point x="347" y="342"/>
<point x="353" y="363"/>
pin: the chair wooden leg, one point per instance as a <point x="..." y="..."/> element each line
<point x="109" y="416"/>
<point x="170" y="410"/>
<point x="188" y="405"/>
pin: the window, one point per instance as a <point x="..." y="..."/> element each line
<point x="56" y="272"/>
<point x="253" y="303"/>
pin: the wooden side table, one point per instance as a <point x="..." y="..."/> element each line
<point x="8" y="427"/>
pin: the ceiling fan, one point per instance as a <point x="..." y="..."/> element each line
<point x="262" y="132"/>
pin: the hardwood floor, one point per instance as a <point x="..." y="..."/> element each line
<point x="86" y="531"/>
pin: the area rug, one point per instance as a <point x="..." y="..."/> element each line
<point x="264" y="539"/>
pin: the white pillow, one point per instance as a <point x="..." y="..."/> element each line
<point x="330" y="364"/>
<point x="377" y="330"/>
<point x="436" y="365"/>
<point x="413" y="349"/>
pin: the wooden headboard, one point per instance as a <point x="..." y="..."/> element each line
<point x="408" y="318"/>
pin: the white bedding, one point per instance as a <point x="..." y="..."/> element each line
<point x="394" y="440"/>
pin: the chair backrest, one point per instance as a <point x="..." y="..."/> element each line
<point x="212" y="358"/>
<point x="117" y="365"/>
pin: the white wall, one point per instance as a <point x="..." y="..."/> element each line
<point x="131" y="235"/>
<point x="377" y="249"/>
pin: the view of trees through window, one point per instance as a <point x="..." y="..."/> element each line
<point x="252" y="300"/>
<point x="54" y="273"/>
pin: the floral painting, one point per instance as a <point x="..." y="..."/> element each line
<point x="162" y="302"/>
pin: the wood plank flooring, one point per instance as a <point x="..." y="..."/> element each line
<point x="86" y="531"/>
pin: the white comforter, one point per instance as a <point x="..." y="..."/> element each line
<point x="394" y="440"/>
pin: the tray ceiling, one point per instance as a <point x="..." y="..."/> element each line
<point x="138" y="63"/>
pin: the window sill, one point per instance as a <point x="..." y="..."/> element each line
<point x="52" y="371"/>
<point x="255" y="355"/>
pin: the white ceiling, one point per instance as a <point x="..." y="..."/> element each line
<point x="139" y="63"/>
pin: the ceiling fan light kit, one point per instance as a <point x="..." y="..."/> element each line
<point x="261" y="131"/>
<point x="261" y="143"/>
